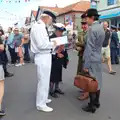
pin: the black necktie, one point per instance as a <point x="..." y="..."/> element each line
<point x="47" y="32"/>
<point x="48" y="36"/>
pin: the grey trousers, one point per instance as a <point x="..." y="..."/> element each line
<point x="95" y="70"/>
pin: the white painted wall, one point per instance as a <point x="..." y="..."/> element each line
<point x="102" y="5"/>
<point x="60" y="19"/>
<point x="78" y="20"/>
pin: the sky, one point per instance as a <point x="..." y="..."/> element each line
<point x="11" y="13"/>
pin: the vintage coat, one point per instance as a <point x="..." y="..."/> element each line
<point x="92" y="54"/>
<point x="57" y="65"/>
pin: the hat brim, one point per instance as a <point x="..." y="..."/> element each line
<point x="83" y="16"/>
<point x="98" y="15"/>
<point x="60" y="29"/>
<point x="83" y="22"/>
<point x="51" y="14"/>
<point x="113" y="27"/>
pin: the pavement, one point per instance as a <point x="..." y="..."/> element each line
<point x="20" y="95"/>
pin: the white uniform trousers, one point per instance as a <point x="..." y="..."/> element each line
<point x="43" y="62"/>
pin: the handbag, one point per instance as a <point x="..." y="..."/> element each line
<point x="66" y="59"/>
<point x="86" y="82"/>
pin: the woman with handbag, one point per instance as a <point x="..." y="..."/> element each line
<point x="59" y="60"/>
<point x="93" y="56"/>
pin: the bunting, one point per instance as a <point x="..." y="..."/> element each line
<point x="13" y="1"/>
<point x="10" y="16"/>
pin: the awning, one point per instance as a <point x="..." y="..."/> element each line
<point x="110" y="13"/>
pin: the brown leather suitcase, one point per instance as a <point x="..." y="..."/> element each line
<point x="86" y="82"/>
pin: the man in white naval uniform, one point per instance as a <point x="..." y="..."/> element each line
<point x="41" y="47"/>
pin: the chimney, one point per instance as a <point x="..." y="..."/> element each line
<point x="56" y="6"/>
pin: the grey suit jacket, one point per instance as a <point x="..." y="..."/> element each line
<point x="95" y="38"/>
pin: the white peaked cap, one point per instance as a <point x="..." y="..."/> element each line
<point x="59" y="25"/>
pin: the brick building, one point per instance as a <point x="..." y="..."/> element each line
<point x="69" y="15"/>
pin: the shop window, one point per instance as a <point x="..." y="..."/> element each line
<point x="111" y="2"/>
<point x="114" y="22"/>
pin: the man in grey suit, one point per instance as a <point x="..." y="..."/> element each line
<point x="93" y="56"/>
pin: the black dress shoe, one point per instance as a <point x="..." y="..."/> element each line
<point x="97" y="105"/>
<point x="89" y="108"/>
<point x="2" y="113"/>
<point x="54" y="95"/>
<point x="9" y="74"/>
<point x="59" y="92"/>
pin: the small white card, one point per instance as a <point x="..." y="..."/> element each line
<point x="60" y="40"/>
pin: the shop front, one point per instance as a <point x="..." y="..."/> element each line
<point x="111" y="15"/>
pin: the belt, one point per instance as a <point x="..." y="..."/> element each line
<point x="45" y="52"/>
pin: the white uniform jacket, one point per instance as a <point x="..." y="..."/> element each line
<point x="39" y="39"/>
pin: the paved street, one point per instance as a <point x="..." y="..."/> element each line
<point x="20" y="92"/>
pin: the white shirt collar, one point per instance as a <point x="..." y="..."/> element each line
<point x="41" y="22"/>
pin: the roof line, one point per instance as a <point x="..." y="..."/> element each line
<point x="69" y="12"/>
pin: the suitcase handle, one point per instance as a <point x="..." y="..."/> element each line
<point x="86" y="74"/>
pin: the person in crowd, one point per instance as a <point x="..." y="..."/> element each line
<point x="11" y="46"/>
<point x="42" y="47"/>
<point x="80" y="45"/>
<point x="22" y="30"/>
<point x="114" y="45"/>
<point x="18" y="42"/>
<point x="26" y="46"/>
<point x="93" y="56"/>
<point x="2" y="112"/>
<point x="119" y="39"/>
<point x="29" y="31"/>
<point x="58" y="62"/>
<point x="74" y="38"/>
<point x="4" y="56"/>
<point x="106" y="47"/>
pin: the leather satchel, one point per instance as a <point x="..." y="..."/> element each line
<point x="85" y="82"/>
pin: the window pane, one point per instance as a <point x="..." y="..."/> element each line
<point x="111" y="2"/>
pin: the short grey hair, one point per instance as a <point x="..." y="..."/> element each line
<point x="44" y="15"/>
